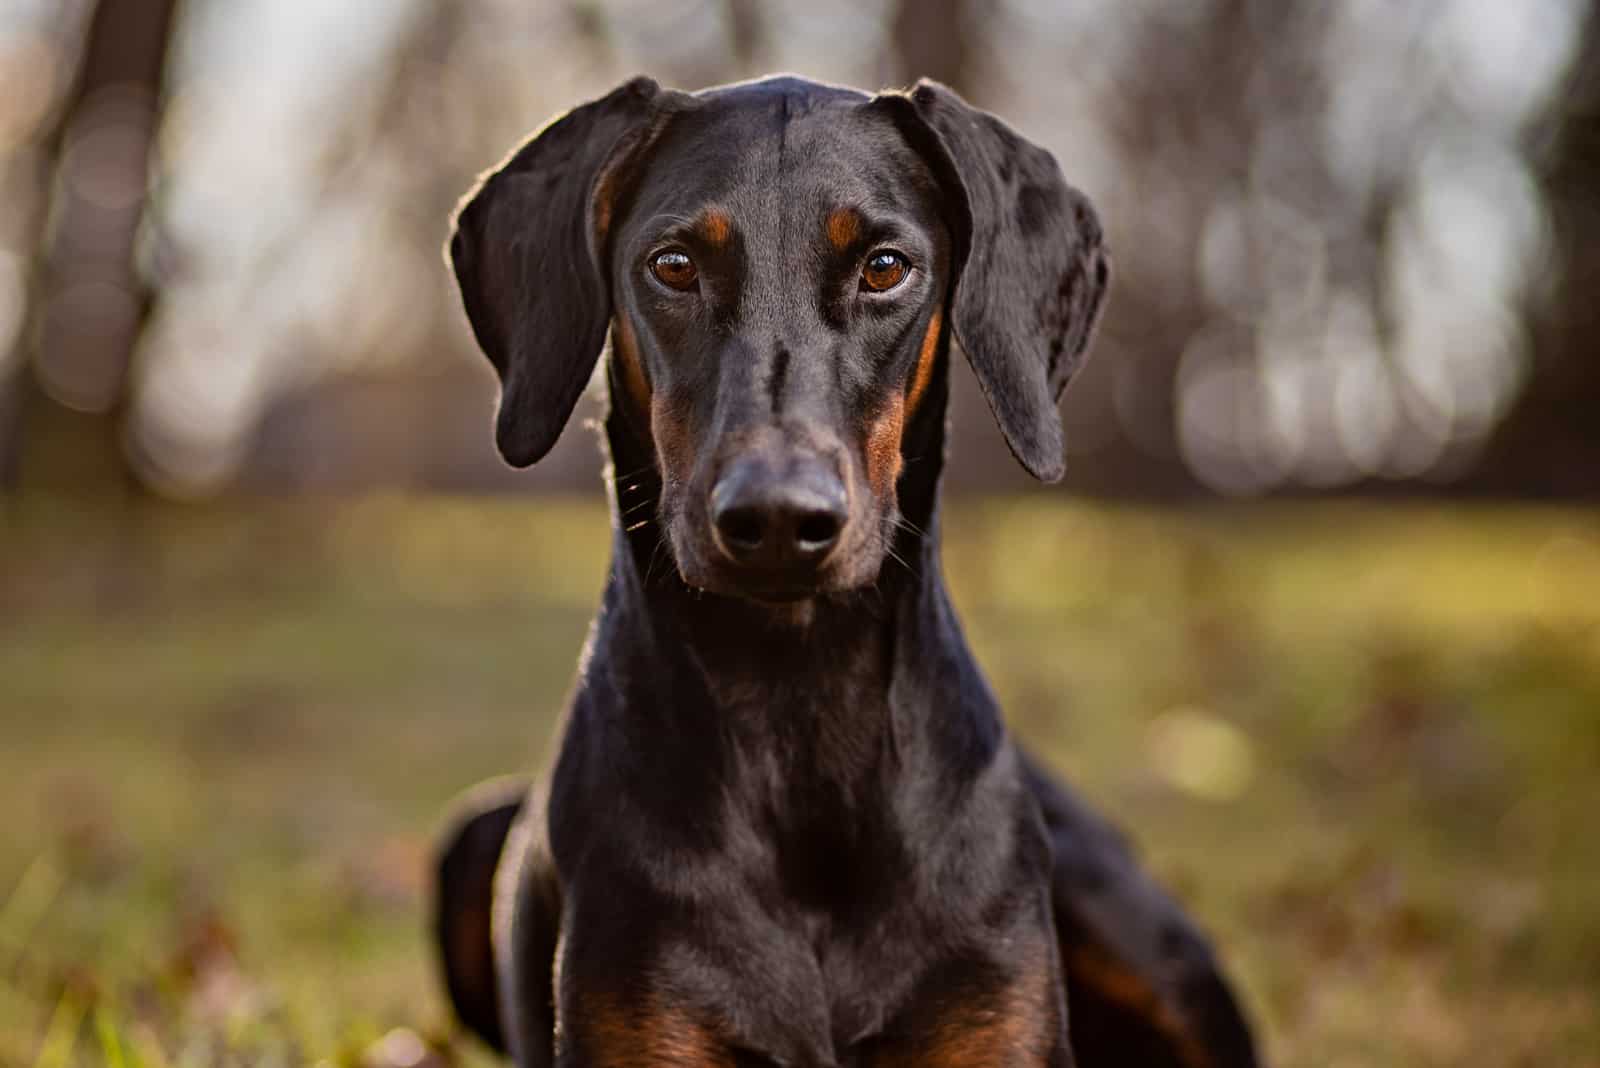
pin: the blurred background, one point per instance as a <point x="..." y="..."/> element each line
<point x="1317" y="614"/>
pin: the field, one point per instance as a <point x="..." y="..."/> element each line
<point x="1362" y="742"/>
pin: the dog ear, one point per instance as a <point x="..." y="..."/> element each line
<point x="528" y="251"/>
<point x="1031" y="268"/>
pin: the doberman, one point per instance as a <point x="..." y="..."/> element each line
<point x="786" y="825"/>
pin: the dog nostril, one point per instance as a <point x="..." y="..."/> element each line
<point x="816" y="530"/>
<point x="742" y="528"/>
<point x="786" y="517"/>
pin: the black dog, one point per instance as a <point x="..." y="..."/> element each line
<point x="786" y="826"/>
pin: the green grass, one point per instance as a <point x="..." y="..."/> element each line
<point x="1363" y="743"/>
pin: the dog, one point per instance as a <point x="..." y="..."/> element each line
<point x="786" y="826"/>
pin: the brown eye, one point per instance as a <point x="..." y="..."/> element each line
<point x="884" y="270"/>
<point x="674" y="268"/>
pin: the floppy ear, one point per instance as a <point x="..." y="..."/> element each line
<point x="528" y="251"/>
<point x="1031" y="269"/>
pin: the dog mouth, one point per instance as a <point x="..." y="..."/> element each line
<point x="763" y="586"/>
<point x="704" y="569"/>
<point x="779" y="594"/>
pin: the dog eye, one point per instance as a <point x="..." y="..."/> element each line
<point x="674" y="268"/>
<point x="884" y="270"/>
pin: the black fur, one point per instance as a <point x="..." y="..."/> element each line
<point x="786" y="825"/>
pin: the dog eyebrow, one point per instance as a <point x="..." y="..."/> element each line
<point x="711" y="226"/>
<point x="848" y="227"/>
<point x="715" y="226"/>
<point x="843" y="226"/>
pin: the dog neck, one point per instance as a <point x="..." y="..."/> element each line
<point x="845" y="701"/>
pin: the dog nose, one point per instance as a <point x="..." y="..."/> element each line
<point x="777" y="517"/>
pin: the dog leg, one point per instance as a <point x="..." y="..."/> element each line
<point x="469" y="853"/>
<point x="1143" y="986"/>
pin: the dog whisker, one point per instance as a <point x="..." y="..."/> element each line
<point x="656" y="552"/>
<point x="627" y="476"/>
<point x="902" y="521"/>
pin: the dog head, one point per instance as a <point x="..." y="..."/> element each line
<point x="780" y="265"/>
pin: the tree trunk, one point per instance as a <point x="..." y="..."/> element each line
<point x="1549" y="444"/>
<point x="930" y="40"/>
<point x="92" y="303"/>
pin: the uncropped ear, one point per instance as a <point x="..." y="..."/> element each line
<point x="1031" y="269"/>
<point x="527" y="252"/>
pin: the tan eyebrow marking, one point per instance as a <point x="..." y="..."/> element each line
<point x="843" y="226"/>
<point x="715" y="226"/>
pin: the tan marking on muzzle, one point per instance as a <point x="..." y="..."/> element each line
<point x="630" y="364"/>
<point x="885" y="460"/>
<point x="925" y="361"/>
<point x="883" y="445"/>
<point x="669" y="429"/>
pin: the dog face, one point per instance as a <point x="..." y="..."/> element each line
<point x="778" y="273"/>
<point x="780" y="265"/>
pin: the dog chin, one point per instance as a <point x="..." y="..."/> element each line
<point x="835" y="581"/>
<point x="782" y="592"/>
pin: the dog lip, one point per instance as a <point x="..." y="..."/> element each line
<point x="765" y="585"/>
<point x="757" y="587"/>
<point x="700" y="567"/>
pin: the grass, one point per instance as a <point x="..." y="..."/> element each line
<point x="1363" y="743"/>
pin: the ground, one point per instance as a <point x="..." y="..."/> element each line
<point x="1363" y="743"/>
